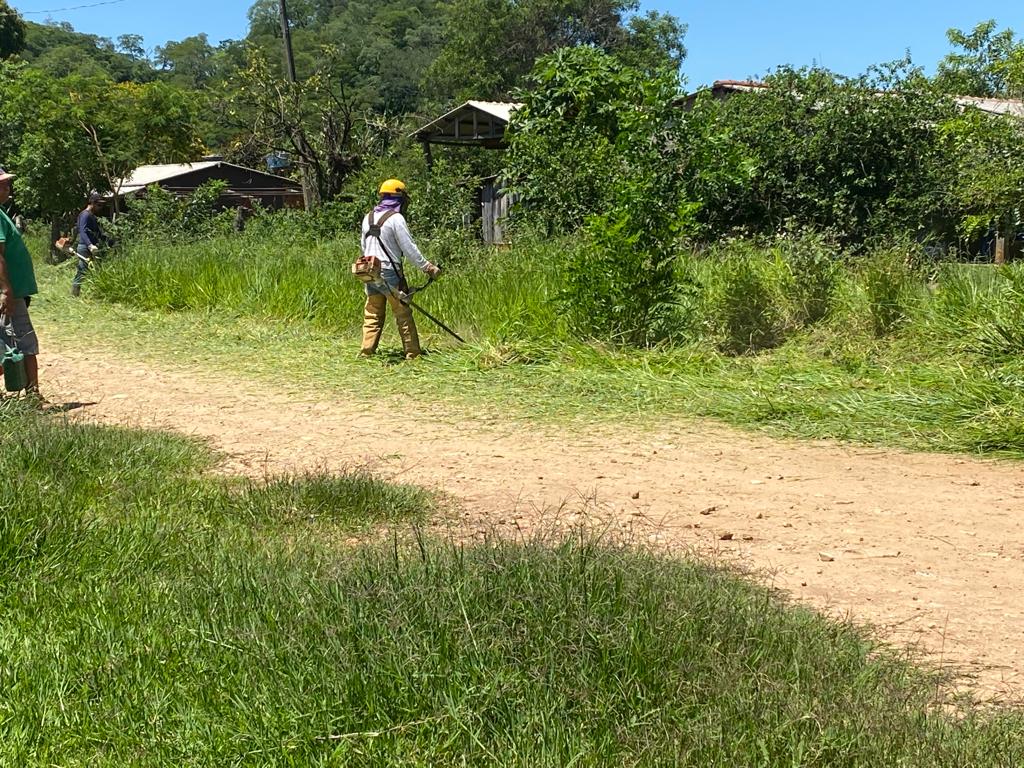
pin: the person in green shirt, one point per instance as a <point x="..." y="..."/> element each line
<point x="17" y="287"/>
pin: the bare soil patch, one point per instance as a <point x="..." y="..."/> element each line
<point x="928" y="547"/>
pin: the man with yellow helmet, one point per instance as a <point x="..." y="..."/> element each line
<point x="386" y="236"/>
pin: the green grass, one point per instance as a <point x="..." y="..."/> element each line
<point x="151" y="614"/>
<point x="893" y="367"/>
<point x="312" y="283"/>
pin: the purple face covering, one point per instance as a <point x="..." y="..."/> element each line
<point x="388" y="204"/>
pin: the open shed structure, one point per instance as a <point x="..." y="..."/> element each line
<point x="476" y="124"/>
<point x="244" y="185"/>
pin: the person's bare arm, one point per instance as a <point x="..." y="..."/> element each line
<point x="6" y="294"/>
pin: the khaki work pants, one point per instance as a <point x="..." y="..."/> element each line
<point x="373" y="324"/>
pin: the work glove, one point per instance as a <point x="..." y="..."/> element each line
<point x="433" y="271"/>
<point x="93" y="248"/>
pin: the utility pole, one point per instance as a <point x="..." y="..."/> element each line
<point x="286" y="34"/>
<point x="310" y="194"/>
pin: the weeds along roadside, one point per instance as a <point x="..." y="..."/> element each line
<point x="788" y="336"/>
<point x="155" y="615"/>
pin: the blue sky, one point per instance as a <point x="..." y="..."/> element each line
<point x="726" y="40"/>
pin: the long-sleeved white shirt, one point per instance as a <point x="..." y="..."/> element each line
<point x="398" y="240"/>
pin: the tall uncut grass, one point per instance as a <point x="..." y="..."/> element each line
<point x="484" y="295"/>
<point x="151" y="615"/>
<point x="791" y="335"/>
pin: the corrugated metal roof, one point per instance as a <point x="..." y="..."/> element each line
<point x="473" y="116"/>
<point x="1013" y="107"/>
<point x="145" y="175"/>
<point x="738" y="85"/>
<point x="500" y="109"/>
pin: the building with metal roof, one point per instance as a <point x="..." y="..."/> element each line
<point x="723" y="89"/>
<point x="244" y="184"/>
<point x="476" y="123"/>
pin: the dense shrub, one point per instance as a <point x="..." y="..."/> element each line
<point x="826" y="153"/>
<point x="595" y="143"/>
<point x="988" y="166"/>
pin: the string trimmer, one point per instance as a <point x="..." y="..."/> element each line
<point x="367" y="269"/>
<point x="406" y="298"/>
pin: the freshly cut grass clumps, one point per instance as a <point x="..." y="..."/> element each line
<point x="153" y="615"/>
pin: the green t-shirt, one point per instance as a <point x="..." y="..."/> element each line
<point x="19" y="263"/>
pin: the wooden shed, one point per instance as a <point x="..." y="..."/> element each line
<point x="243" y="184"/>
<point x="476" y="124"/>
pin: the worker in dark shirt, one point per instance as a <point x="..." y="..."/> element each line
<point x="90" y="238"/>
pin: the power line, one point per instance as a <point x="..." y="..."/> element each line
<point x="71" y="8"/>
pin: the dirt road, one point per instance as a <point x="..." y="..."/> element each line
<point x="928" y="547"/>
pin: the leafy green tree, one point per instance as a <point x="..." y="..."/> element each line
<point x="596" y="146"/>
<point x="654" y="42"/>
<point x="189" y="62"/>
<point x="66" y="136"/>
<point x="67" y="60"/>
<point x="59" y="50"/>
<point x="988" y="171"/>
<point x="987" y="62"/>
<point x="382" y="50"/>
<point x="55" y="162"/>
<point x="12" y="31"/>
<point x="491" y="45"/>
<point x="315" y="120"/>
<point x="302" y="14"/>
<point x="563" y="152"/>
<point x="131" y="46"/>
<point x="134" y="124"/>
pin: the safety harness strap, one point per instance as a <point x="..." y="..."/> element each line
<point x="373" y="229"/>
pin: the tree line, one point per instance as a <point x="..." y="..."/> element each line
<point x="365" y="71"/>
<point x="602" y="127"/>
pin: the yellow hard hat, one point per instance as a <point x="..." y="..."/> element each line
<point x="392" y="187"/>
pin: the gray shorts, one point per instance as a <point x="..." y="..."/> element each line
<point x="20" y="326"/>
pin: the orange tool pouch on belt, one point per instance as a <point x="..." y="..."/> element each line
<point x="367" y="269"/>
